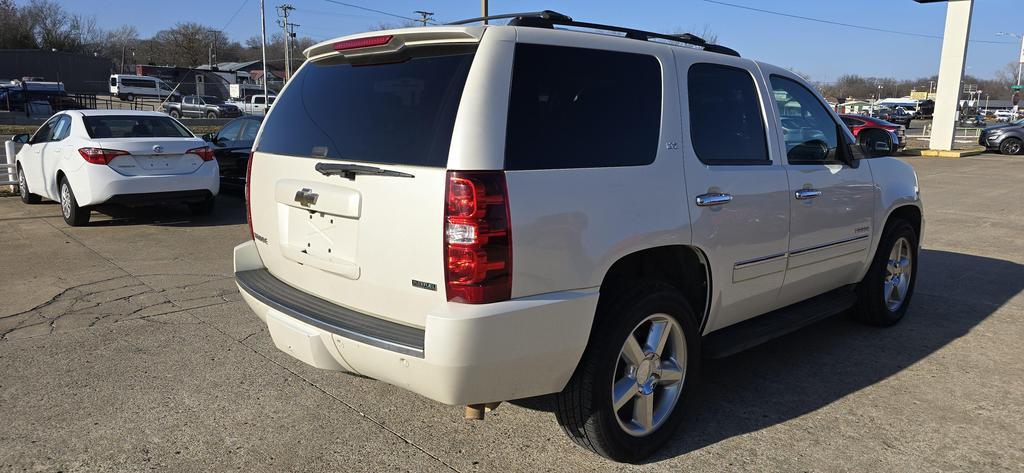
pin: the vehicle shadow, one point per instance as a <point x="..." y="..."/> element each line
<point x="815" y="366"/>
<point x="820" y="364"/>
<point x="228" y="210"/>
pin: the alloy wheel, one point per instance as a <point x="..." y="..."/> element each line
<point x="649" y="375"/>
<point x="65" y="199"/>
<point x="899" y="269"/>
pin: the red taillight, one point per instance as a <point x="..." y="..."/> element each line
<point x="478" y="237"/>
<point x="100" y="155"/>
<point x="248" y="204"/>
<point x="204" y="152"/>
<point x="362" y="42"/>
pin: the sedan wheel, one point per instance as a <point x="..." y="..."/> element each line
<point x="72" y="213"/>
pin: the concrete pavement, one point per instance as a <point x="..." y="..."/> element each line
<point x="125" y="348"/>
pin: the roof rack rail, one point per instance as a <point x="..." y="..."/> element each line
<point x="548" y="19"/>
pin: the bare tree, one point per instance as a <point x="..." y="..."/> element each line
<point x="15" y="30"/>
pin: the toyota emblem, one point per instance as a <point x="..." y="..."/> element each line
<point x="158" y="149"/>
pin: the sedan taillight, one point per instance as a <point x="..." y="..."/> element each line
<point x="100" y="155"/>
<point x="204" y="152"/>
<point x="478" y="238"/>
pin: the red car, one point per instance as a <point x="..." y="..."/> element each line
<point x="860" y="123"/>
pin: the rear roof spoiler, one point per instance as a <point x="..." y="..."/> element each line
<point x="401" y="38"/>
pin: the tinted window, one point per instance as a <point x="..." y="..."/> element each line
<point x="230" y="131"/>
<point x="811" y="135"/>
<point x="62" y="129"/>
<point x="726" y="124"/>
<point x="43" y="133"/>
<point x="399" y="113"/>
<point x="250" y="131"/>
<point x="852" y="121"/>
<point x="129" y="126"/>
<point x="257" y="100"/>
<point x="145" y="83"/>
<point x="188" y="100"/>
<point x="574" y="108"/>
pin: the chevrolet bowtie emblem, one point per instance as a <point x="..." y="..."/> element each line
<point x="306" y="197"/>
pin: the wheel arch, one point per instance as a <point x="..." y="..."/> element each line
<point x="909" y="212"/>
<point x="684" y="267"/>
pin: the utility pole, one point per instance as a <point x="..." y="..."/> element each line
<point x="424" y="16"/>
<point x="483" y="9"/>
<point x="282" y="12"/>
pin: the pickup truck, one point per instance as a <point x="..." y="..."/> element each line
<point x="253" y="104"/>
<point x="199" y="106"/>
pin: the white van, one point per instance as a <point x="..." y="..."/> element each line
<point x="127" y="87"/>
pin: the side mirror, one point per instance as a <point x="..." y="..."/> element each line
<point x="21" y="138"/>
<point x="876" y="143"/>
<point x="208" y="137"/>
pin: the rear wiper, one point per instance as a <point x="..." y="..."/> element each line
<point x="349" y="171"/>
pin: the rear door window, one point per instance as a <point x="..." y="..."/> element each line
<point x="726" y="123"/>
<point x="576" y="108"/>
<point x="398" y="113"/>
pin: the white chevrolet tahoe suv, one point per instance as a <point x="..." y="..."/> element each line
<point x="489" y="213"/>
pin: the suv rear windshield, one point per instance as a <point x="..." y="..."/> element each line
<point x="398" y="113"/>
<point x="127" y="126"/>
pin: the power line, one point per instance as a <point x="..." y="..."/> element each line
<point x="847" y="25"/>
<point x="377" y="11"/>
<point x="244" y="2"/>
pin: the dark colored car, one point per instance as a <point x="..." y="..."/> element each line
<point x="859" y="124"/>
<point x="897" y="116"/>
<point x="199" y="106"/>
<point x="231" y="146"/>
<point x="1007" y="138"/>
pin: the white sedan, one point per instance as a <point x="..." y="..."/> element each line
<point x="85" y="158"/>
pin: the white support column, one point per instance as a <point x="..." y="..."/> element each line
<point x="951" y="73"/>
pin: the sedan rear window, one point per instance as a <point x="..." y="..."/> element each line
<point x="128" y="126"/>
<point x="398" y="113"/>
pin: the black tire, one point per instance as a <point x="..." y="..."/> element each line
<point x="1011" y="146"/>
<point x="873" y="307"/>
<point x="202" y="208"/>
<point x="174" y="114"/>
<point x="73" y="214"/>
<point x="211" y="114"/>
<point x="129" y="97"/>
<point x="26" y="196"/>
<point x="584" y="408"/>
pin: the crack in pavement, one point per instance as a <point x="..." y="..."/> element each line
<point x="222" y="293"/>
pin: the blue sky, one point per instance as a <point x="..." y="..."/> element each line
<point x="820" y="50"/>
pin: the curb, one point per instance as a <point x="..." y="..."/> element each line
<point x="934" y="153"/>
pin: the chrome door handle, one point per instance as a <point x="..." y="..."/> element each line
<point x="804" y="194"/>
<point x="714" y="198"/>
